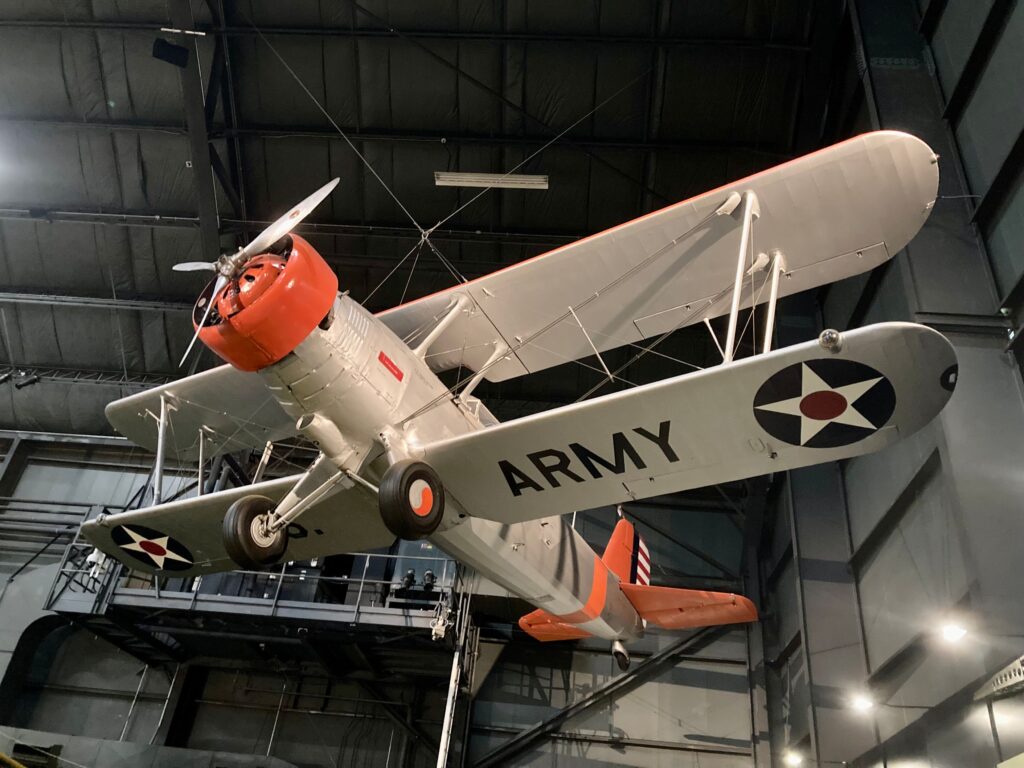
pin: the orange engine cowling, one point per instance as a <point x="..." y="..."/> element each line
<point x="270" y="308"/>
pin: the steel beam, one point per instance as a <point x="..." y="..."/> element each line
<point x="60" y="437"/>
<point x="187" y="221"/>
<point x="931" y="17"/>
<point x="500" y="96"/>
<point x="970" y="75"/>
<point x="1003" y="183"/>
<point x="793" y="46"/>
<point x="89" y="376"/>
<point x="384" y="135"/>
<point x="396" y="716"/>
<point x="48" y="299"/>
<point x="619" y="686"/>
<point x="623" y="742"/>
<point x="199" y="140"/>
<point x="825" y="21"/>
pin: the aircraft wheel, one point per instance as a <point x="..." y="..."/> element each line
<point x="411" y="499"/>
<point x="246" y="539"/>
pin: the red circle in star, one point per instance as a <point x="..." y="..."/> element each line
<point x="152" y="548"/>
<point x="823" y="406"/>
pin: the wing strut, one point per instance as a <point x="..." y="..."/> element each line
<point x="452" y="313"/>
<point x="778" y="267"/>
<point x="751" y="211"/>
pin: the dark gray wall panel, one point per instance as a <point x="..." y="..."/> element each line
<point x="991" y="119"/>
<point x="918" y="573"/>
<point x="954" y="37"/>
<point x="1005" y="238"/>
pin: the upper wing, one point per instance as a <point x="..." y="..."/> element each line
<point x="834" y="213"/>
<point x="790" y="408"/>
<point x="185" y="536"/>
<point x="234" y="409"/>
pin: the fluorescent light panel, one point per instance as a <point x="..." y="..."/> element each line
<point x="501" y="181"/>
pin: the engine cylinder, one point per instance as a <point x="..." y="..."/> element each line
<point x="270" y="308"/>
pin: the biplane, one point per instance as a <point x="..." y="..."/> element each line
<point x="400" y="454"/>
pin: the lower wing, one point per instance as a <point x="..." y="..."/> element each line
<point x="183" y="538"/>
<point x="231" y="409"/>
<point x="791" y="408"/>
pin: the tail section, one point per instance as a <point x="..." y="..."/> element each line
<point x="627" y="555"/>
<point x="671" y="608"/>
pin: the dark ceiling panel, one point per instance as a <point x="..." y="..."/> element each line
<point x="712" y="96"/>
<point x="781" y="22"/>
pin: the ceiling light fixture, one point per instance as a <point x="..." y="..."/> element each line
<point x="792" y="758"/>
<point x="862" y="703"/>
<point x="22" y="383"/>
<point x="952" y="632"/>
<point x="498" y="180"/>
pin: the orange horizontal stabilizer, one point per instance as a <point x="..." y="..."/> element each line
<point x="542" y="626"/>
<point x="671" y="608"/>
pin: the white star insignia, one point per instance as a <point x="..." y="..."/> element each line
<point x="158" y="559"/>
<point x="830" y="409"/>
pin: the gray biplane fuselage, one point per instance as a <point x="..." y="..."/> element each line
<point x="359" y="382"/>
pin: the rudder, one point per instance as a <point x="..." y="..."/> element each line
<point x="626" y="554"/>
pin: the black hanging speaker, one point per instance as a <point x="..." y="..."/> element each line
<point x="171" y="53"/>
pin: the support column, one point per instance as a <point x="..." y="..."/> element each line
<point x="832" y="645"/>
<point x="198" y="135"/>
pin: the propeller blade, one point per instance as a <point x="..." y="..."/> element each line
<point x="195" y="266"/>
<point x="217" y="287"/>
<point x="287" y="223"/>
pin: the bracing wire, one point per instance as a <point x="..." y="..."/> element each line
<point x="521" y="343"/>
<point x="412" y="270"/>
<point x="332" y="121"/>
<point x="419" y="244"/>
<point x="425" y="233"/>
<point x="532" y="155"/>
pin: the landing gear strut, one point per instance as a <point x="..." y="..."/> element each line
<point x="411" y="499"/>
<point x="248" y="539"/>
<point x="621" y="655"/>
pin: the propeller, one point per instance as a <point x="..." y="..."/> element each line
<point x="229" y="265"/>
<point x="195" y="266"/>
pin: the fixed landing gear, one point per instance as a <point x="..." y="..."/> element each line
<point x="621" y="655"/>
<point x="411" y="499"/>
<point x="247" y="538"/>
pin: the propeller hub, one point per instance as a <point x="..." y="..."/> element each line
<point x="229" y="266"/>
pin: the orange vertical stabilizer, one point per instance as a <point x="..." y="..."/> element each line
<point x="618" y="554"/>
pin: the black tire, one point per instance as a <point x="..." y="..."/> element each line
<point x="396" y="507"/>
<point x="246" y="549"/>
<point x="621" y="660"/>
